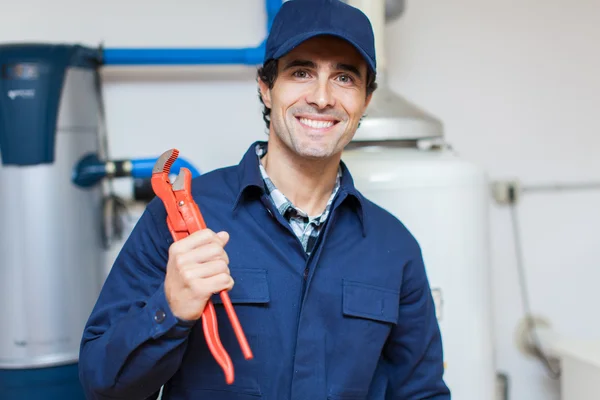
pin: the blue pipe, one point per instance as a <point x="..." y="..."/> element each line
<point x="142" y="167"/>
<point x="127" y="56"/>
<point x="181" y="56"/>
<point x="90" y="170"/>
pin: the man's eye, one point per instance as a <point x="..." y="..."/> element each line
<point x="345" y="78"/>
<point x="300" y="74"/>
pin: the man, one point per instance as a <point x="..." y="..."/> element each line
<point x="329" y="288"/>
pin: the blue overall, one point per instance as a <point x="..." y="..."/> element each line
<point x="354" y="320"/>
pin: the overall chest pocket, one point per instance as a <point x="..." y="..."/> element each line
<point x="250" y="297"/>
<point x="370" y="302"/>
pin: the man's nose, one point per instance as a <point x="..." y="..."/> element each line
<point x="321" y="94"/>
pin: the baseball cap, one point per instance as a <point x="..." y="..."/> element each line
<point x="300" y="20"/>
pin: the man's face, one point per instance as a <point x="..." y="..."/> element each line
<point x="318" y="97"/>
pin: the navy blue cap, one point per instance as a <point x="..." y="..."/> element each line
<point x="300" y="20"/>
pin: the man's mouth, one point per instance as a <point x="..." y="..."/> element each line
<point x="317" y="123"/>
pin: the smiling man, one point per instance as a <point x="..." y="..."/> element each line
<point x="329" y="288"/>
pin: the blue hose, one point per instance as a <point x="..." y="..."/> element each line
<point x="129" y="56"/>
<point x="90" y="170"/>
<point x="142" y="167"/>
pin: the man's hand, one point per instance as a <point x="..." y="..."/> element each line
<point x="198" y="267"/>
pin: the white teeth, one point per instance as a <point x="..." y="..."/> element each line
<point x="316" y="124"/>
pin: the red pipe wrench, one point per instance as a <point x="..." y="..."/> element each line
<point x="183" y="219"/>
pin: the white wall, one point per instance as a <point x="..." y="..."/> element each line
<point x="515" y="83"/>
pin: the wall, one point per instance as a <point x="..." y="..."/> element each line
<point x="514" y="82"/>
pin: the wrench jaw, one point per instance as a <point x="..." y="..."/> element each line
<point x="165" y="161"/>
<point x="179" y="183"/>
<point x="160" y="174"/>
<point x="183" y="181"/>
<point x="163" y="189"/>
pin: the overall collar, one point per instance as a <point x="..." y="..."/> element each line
<point x="250" y="181"/>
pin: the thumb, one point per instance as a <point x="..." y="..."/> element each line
<point x="224" y="236"/>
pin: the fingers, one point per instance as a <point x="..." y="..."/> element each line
<point x="204" y="254"/>
<point x="200" y="271"/>
<point x="200" y="238"/>
<point x="201" y="246"/>
<point x="224" y="236"/>
<point x="216" y="283"/>
<point x="201" y="262"/>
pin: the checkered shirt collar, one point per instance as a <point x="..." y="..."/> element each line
<point x="285" y="206"/>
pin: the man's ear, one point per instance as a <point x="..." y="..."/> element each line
<point x="369" y="97"/>
<point x="265" y="93"/>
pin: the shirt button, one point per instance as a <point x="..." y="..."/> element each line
<point x="159" y="316"/>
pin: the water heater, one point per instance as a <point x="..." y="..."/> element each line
<point x="50" y="249"/>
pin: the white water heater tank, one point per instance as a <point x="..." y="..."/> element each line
<point x="443" y="201"/>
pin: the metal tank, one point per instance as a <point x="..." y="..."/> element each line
<point x="50" y="249"/>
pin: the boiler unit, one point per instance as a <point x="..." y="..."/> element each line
<point x="50" y="252"/>
<point x="53" y="165"/>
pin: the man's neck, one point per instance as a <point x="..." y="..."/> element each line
<point x="308" y="184"/>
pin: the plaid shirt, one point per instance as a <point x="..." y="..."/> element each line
<point x="306" y="228"/>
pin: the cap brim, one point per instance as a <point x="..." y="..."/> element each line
<point x="299" y="39"/>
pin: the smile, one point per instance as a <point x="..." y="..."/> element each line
<point x="316" y="123"/>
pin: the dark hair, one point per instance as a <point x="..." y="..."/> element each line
<point x="268" y="74"/>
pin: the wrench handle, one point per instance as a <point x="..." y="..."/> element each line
<point x="194" y="220"/>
